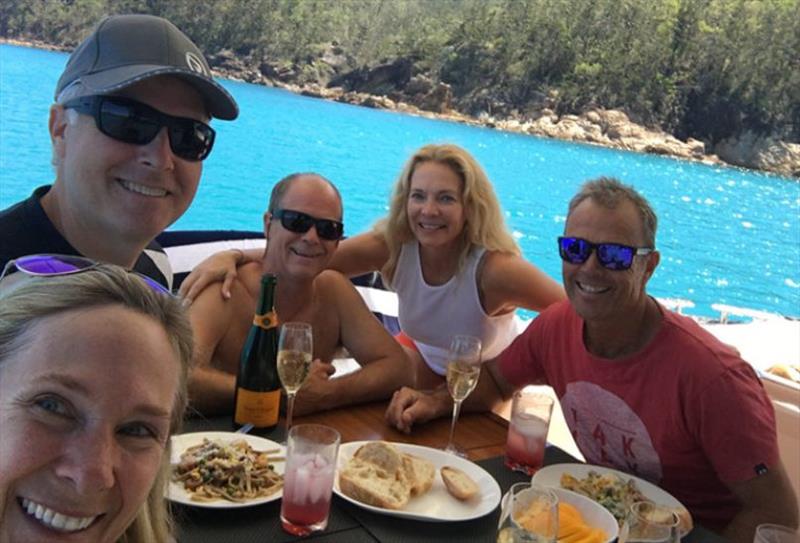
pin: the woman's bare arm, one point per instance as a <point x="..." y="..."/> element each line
<point x="508" y="281"/>
<point x="360" y="254"/>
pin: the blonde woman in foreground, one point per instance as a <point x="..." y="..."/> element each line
<point x="446" y="251"/>
<point x="93" y="370"/>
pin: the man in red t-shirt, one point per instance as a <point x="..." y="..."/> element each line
<point x="644" y="390"/>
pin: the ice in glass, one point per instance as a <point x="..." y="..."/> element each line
<point x="308" y="479"/>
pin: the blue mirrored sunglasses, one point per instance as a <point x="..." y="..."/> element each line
<point x="612" y="256"/>
<point x="51" y="265"/>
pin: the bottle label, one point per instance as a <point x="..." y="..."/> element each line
<point x="257" y="408"/>
<point x="266" y="321"/>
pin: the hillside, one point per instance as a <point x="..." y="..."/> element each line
<point x="698" y="79"/>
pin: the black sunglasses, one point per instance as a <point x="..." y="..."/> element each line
<point x="613" y="256"/>
<point x="300" y="223"/>
<point x="134" y="122"/>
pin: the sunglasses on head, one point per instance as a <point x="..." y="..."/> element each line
<point x="300" y="223"/>
<point x="612" y="256"/>
<point x="133" y="122"/>
<point x="52" y="265"/>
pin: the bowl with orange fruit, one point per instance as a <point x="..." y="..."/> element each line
<point x="579" y="519"/>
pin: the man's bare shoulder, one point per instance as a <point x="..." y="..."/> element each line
<point x="249" y="275"/>
<point x="333" y="282"/>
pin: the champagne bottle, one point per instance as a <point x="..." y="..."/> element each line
<point x="258" y="388"/>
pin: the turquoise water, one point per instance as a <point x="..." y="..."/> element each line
<point x="726" y="235"/>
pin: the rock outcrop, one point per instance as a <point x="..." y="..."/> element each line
<point x="762" y="153"/>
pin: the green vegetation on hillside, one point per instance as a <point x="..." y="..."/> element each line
<point x="708" y="69"/>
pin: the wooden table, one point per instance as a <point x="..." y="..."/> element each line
<point x="481" y="435"/>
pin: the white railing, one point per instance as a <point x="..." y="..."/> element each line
<point x="676" y="304"/>
<point x="727" y="310"/>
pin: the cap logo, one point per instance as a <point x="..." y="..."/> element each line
<point x="195" y="63"/>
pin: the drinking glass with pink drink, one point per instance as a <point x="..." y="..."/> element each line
<point x="527" y="431"/>
<point x="308" y="479"/>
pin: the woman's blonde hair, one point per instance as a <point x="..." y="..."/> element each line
<point x="484" y="226"/>
<point x="31" y="299"/>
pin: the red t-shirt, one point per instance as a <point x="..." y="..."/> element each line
<point x="685" y="413"/>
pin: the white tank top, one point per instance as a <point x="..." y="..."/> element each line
<point x="432" y="315"/>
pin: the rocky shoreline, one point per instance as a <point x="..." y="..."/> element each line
<point x="395" y="86"/>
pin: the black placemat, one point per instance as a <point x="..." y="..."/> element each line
<point x="257" y="524"/>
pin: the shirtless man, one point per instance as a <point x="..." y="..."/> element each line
<point x="303" y="227"/>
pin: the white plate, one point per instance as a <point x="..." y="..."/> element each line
<point x="551" y="476"/>
<point x="436" y="505"/>
<point x="180" y="443"/>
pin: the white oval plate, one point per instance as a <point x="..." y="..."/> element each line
<point x="436" y="505"/>
<point x="551" y="476"/>
<point x="181" y="442"/>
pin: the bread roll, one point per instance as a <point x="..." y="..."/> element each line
<point x="458" y="483"/>
<point x="381" y="454"/>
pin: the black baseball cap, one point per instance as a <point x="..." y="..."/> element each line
<point x="125" y="49"/>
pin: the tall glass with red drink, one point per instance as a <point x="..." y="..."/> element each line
<point x="308" y="479"/>
<point x="527" y="431"/>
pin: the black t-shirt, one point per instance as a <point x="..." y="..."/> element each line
<point x="25" y="229"/>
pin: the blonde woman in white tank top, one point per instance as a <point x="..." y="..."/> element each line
<point x="445" y="232"/>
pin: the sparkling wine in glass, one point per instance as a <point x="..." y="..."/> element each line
<point x="463" y="370"/>
<point x="295" y="352"/>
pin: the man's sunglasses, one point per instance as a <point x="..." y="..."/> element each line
<point x="300" y="223"/>
<point x="133" y="122"/>
<point x="51" y="265"/>
<point x="613" y="256"/>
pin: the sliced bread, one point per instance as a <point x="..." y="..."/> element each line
<point x="371" y="484"/>
<point x="458" y="483"/>
<point x="418" y="473"/>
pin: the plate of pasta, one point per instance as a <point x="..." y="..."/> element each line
<point x="225" y="470"/>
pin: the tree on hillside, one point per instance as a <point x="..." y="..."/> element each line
<point x="708" y="69"/>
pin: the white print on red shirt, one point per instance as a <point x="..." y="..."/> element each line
<point x="608" y="432"/>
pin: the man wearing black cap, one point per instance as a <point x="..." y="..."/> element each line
<point x="129" y="130"/>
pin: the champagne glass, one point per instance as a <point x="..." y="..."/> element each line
<point x="651" y="523"/>
<point x="295" y="351"/>
<point x="529" y="514"/>
<point x="463" y="370"/>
